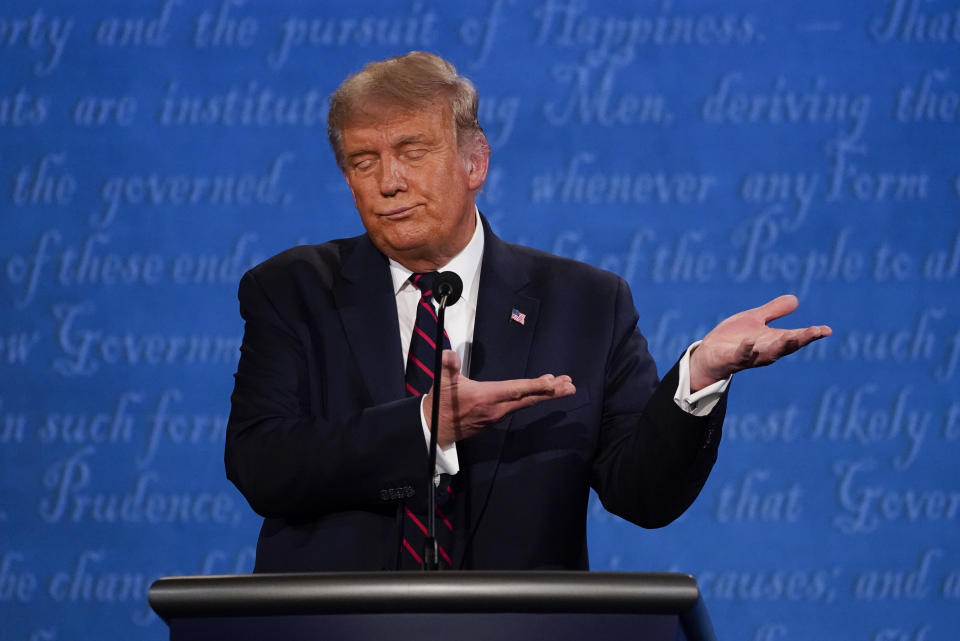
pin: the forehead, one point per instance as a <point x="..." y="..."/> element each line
<point x="394" y="126"/>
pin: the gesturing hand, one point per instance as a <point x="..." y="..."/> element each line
<point x="467" y="406"/>
<point x="744" y="340"/>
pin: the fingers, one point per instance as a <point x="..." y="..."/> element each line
<point x="473" y="404"/>
<point x="502" y="397"/>
<point x="556" y="386"/>
<point x="778" y="307"/>
<point x="807" y="335"/>
<point x="546" y="386"/>
<point x="788" y="341"/>
<point x="517" y="394"/>
<point x="797" y="338"/>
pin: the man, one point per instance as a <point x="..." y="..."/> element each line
<point x="548" y="389"/>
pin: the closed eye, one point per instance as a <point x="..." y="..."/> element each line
<point x="363" y="165"/>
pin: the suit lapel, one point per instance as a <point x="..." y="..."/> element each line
<point x="501" y="343"/>
<point x="368" y="310"/>
<point x="501" y="347"/>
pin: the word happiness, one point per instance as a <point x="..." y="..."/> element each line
<point x="566" y="24"/>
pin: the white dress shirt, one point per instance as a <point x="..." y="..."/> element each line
<point x="459" y="321"/>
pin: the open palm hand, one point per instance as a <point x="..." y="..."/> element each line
<point x="744" y="340"/>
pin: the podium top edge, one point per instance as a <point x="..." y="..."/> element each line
<point x="394" y="592"/>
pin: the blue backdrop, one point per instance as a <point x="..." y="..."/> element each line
<point x="715" y="154"/>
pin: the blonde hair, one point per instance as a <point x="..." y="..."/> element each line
<point x="417" y="80"/>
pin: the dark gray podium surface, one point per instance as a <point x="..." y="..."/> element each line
<point x="453" y="606"/>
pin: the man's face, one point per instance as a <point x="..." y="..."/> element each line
<point x="413" y="187"/>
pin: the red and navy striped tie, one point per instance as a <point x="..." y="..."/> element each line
<point x="419" y="379"/>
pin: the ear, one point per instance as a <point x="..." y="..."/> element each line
<point x="478" y="162"/>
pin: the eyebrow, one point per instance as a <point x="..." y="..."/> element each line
<point x="411" y="139"/>
<point x="405" y="140"/>
<point x="360" y="152"/>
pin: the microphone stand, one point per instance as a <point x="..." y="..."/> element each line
<point x="447" y="289"/>
<point x="431" y="561"/>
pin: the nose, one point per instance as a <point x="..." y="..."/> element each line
<point x="391" y="177"/>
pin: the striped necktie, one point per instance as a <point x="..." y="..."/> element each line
<point x="419" y="381"/>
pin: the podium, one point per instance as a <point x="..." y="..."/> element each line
<point x="449" y="606"/>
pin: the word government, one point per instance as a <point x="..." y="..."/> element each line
<point x="866" y="507"/>
<point x="86" y="350"/>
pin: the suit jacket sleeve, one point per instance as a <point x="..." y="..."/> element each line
<point x="286" y="458"/>
<point x="653" y="459"/>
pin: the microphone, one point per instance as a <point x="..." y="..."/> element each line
<point x="447" y="288"/>
<point x="447" y="284"/>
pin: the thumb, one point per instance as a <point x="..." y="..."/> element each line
<point x="451" y="365"/>
<point x="778" y="307"/>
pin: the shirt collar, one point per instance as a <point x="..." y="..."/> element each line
<point x="466" y="264"/>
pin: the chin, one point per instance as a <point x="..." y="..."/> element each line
<point x="401" y="247"/>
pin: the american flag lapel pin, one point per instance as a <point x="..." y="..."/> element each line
<point x="517" y="316"/>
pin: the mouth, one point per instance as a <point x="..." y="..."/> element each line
<point x="399" y="212"/>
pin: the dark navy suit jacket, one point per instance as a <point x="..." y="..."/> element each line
<point x="325" y="445"/>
